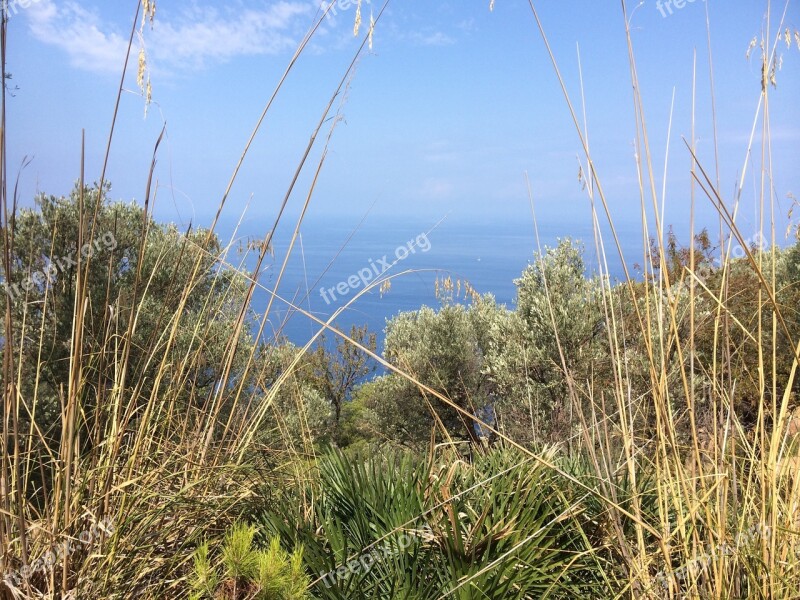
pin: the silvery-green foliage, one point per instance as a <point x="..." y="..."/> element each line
<point x="305" y="411"/>
<point x="483" y="355"/>
<point x="394" y="412"/>
<point x="301" y="413"/>
<point x="444" y="350"/>
<point x="558" y="304"/>
<point x="557" y="323"/>
<point x="441" y="350"/>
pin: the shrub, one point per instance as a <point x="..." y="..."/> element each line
<point x="246" y="572"/>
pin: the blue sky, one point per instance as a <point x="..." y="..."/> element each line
<point x="454" y="104"/>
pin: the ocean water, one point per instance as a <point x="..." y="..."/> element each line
<point x="334" y="257"/>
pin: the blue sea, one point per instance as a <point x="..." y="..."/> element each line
<point x="333" y="258"/>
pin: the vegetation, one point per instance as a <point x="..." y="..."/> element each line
<point x="386" y="525"/>
<point x="633" y="439"/>
<point x="269" y="574"/>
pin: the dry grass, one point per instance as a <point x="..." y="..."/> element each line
<point x="168" y="477"/>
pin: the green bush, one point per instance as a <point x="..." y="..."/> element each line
<point x="245" y="572"/>
<point x="394" y="525"/>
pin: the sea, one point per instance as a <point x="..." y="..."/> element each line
<point x="334" y="259"/>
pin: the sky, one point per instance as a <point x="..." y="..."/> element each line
<point x="447" y="114"/>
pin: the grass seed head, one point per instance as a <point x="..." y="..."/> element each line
<point x="371" y="28"/>
<point x="141" y="70"/>
<point x="357" y="24"/>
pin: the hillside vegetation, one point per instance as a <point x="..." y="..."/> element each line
<point x="597" y="439"/>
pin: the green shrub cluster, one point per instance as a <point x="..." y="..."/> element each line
<point x="247" y="572"/>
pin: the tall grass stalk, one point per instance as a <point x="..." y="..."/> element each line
<point x="164" y="465"/>
<point x="737" y="477"/>
<point x="171" y="465"/>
